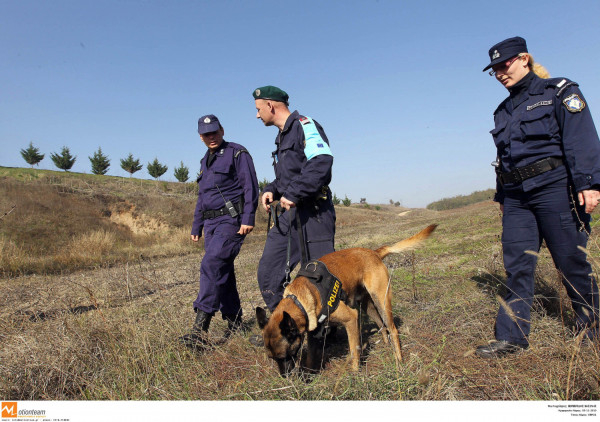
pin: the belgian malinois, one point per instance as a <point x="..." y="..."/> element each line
<point x="364" y="278"/>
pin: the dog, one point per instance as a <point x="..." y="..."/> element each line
<point x="364" y="279"/>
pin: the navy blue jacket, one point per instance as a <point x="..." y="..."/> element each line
<point x="302" y="166"/>
<point x="232" y="171"/>
<point x="539" y="125"/>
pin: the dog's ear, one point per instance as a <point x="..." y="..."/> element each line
<point x="261" y="317"/>
<point x="288" y="327"/>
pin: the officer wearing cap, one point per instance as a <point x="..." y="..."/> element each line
<point x="302" y="162"/>
<point x="548" y="177"/>
<point x="227" y="200"/>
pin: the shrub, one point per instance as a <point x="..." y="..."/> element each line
<point x="182" y="173"/>
<point x="130" y="164"/>
<point x="156" y="169"/>
<point x="335" y="200"/>
<point x="64" y="160"/>
<point x="32" y="155"/>
<point x="100" y="162"/>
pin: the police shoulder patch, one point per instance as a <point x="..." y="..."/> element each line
<point x="574" y="103"/>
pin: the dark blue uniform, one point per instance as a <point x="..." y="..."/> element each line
<point x="302" y="163"/>
<point x="229" y="177"/>
<point x="545" y="118"/>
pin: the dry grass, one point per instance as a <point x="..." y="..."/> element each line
<point x="109" y="332"/>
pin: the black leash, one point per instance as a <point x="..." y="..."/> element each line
<point x="273" y="221"/>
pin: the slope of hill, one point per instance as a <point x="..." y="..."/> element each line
<point x="109" y="333"/>
<point x="462" y="200"/>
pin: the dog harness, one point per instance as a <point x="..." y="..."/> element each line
<point x="329" y="286"/>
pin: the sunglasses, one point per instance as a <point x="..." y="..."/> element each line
<point x="502" y="66"/>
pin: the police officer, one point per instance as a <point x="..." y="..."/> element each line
<point x="227" y="201"/>
<point x="548" y="177"/>
<point x="302" y="162"/>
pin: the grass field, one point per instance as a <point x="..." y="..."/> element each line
<point x="99" y="276"/>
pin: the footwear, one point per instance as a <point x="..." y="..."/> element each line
<point x="499" y="348"/>
<point x="257" y="340"/>
<point x="197" y="339"/>
<point x="234" y="324"/>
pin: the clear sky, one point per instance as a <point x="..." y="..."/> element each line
<point x="397" y="85"/>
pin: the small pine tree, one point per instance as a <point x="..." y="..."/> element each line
<point x="263" y="184"/>
<point x="64" y="160"/>
<point x="32" y="155"/>
<point x="336" y="200"/>
<point x="346" y="201"/>
<point x="100" y="162"/>
<point x="182" y="173"/>
<point x="156" y="169"/>
<point x="130" y="164"/>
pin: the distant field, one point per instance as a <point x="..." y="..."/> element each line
<point x="99" y="276"/>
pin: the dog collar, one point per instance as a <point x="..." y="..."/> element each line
<point x="299" y="305"/>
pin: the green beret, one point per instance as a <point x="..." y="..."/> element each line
<point x="270" y="92"/>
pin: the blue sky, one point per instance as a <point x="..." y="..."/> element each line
<point x="397" y="85"/>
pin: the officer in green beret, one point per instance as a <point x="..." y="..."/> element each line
<point x="302" y="161"/>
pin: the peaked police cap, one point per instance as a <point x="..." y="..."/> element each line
<point x="208" y="123"/>
<point x="505" y="50"/>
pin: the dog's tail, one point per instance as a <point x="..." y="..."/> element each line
<point x="406" y="244"/>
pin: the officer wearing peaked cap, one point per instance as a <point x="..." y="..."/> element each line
<point x="548" y="181"/>
<point x="302" y="162"/>
<point x="227" y="200"/>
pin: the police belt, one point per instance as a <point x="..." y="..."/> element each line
<point x="207" y="215"/>
<point x="526" y="172"/>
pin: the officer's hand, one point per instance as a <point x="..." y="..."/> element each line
<point x="244" y="229"/>
<point x="589" y="198"/>
<point x="501" y="208"/>
<point x="266" y="199"/>
<point x="195" y="237"/>
<point x="285" y="203"/>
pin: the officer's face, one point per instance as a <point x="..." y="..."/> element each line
<point x="263" y="112"/>
<point x="213" y="140"/>
<point x="511" y="71"/>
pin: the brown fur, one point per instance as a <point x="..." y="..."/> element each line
<point x="364" y="278"/>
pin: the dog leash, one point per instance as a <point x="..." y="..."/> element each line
<point x="273" y="221"/>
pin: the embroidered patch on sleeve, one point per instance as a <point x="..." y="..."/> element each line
<point x="313" y="142"/>
<point x="573" y="103"/>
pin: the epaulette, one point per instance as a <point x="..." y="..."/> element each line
<point x="560" y="84"/>
<point x="239" y="151"/>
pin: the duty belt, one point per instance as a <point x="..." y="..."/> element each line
<point x="526" y="172"/>
<point x="207" y="215"/>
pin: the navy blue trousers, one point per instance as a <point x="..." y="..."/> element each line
<point x="218" y="288"/>
<point x="318" y="228"/>
<point x="549" y="214"/>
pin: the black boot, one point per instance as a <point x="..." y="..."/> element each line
<point x="197" y="339"/>
<point x="234" y="324"/>
<point x="499" y="348"/>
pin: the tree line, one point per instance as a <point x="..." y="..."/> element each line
<point x="100" y="163"/>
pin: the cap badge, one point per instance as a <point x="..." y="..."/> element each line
<point x="573" y="103"/>
<point x="495" y="55"/>
<point x="207" y="120"/>
<point x="257" y="92"/>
